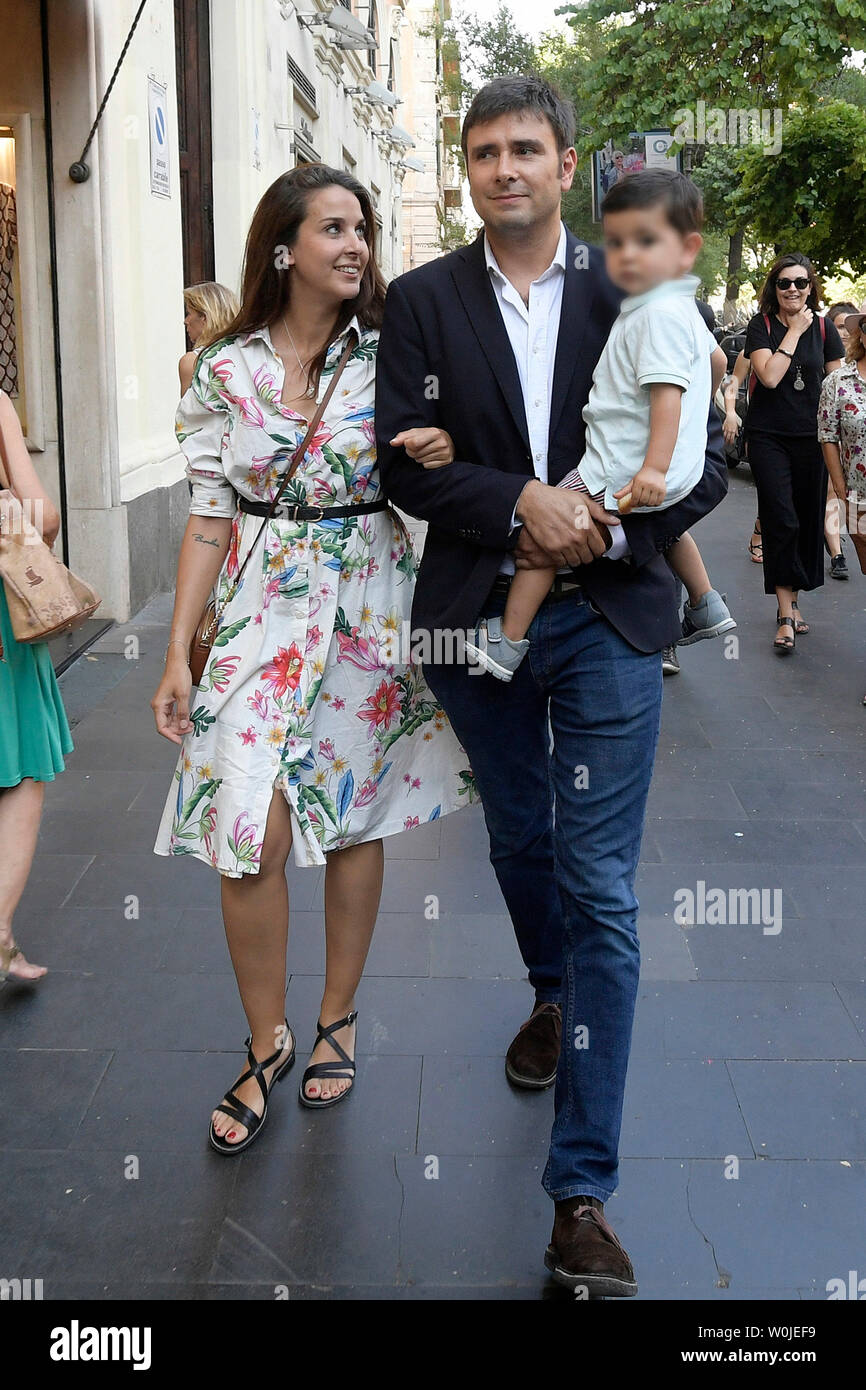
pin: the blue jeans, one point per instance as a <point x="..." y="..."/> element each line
<point x="568" y="878"/>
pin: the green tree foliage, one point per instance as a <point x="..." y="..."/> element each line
<point x="490" y="48"/>
<point x="813" y="198"/>
<point x="633" y="66"/>
<point x="645" y="63"/>
<point x="848" y="84"/>
<point x="657" y="57"/>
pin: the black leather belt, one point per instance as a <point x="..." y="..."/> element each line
<point x="294" y="511"/>
<point x="562" y="586"/>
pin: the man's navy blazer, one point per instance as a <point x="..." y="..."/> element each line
<point x="445" y="359"/>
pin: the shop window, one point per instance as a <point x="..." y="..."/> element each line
<point x="10" y="280"/>
<point x="22" y="254"/>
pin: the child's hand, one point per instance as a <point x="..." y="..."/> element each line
<point x="646" y="489"/>
<point x="731" y="426"/>
<point x="427" y="445"/>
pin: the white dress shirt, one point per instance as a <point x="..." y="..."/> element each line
<point x="533" y="330"/>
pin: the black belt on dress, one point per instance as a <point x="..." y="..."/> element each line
<point x="295" y="511"/>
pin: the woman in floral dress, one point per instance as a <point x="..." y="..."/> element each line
<point x="842" y="430"/>
<point x="312" y="728"/>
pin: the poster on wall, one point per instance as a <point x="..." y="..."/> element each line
<point x="157" y="120"/>
<point x="644" y="149"/>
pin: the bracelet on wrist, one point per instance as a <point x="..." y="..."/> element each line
<point x="788" y="354"/>
<point x="176" y="641"/>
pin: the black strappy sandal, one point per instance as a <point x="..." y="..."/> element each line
<point x="758" y="545"/>
<point x="336" y="1070"/>
<point x="241" y="1113"/>
<point x="783" y="646"/>
<point x="800" y="625"/>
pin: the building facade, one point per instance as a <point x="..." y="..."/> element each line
<point x="212" y="101"/>
<point x="431" y="198"/>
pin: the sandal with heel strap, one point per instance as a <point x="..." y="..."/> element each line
<point x="242" y="1114"/>
<point x="801" y="627"/>
<point x="7" y="955"/>
<point x="336" y="1070"/>
<point x="783" y="646"/>
<point x="758" y="545"/>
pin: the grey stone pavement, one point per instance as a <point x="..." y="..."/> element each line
<point x="744" y="1135"/>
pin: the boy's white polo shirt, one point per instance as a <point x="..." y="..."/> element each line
<point x="659" y="336"/>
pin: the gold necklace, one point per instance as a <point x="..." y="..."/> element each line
<point x="309" y="390"/>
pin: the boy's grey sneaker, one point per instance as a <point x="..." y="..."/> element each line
<point x="670" y="663"/>
<point x="490" y="648"/>
<point x="708" y="618"/>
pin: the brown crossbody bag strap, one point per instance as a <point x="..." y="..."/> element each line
<point x="203" y="639"/>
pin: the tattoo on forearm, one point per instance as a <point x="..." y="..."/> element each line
<point x="199" y="537"/>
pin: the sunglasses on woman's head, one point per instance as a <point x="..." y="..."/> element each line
<point x="801" y="283"/>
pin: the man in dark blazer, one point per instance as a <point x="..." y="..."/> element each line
<point x="496" y="343"/>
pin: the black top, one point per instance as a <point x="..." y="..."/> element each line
<point x="781" y="409"/>
<point x="707" y="314"/>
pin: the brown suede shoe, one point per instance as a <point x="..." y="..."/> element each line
<point x="532" y="1057"/>
<point x="584" y="1253"/>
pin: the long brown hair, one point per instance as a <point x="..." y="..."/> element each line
<point x="266" y="289"/>
<point x="768" y="300"/>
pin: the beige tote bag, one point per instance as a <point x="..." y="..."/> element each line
<point x="44" y="597"/>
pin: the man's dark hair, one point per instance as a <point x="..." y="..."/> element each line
<point x="524" y="92"/>
<point x="680" y="198"/>
<point x="707" y="313"/>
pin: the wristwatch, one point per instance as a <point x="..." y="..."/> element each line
<point x="786" y="352"/>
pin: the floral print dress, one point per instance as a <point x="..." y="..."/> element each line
<point x="309" y="687"/>
<point x="842" y="421"/>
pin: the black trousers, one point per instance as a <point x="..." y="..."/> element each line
<point x="791" y="479"/>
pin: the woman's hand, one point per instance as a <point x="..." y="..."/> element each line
<point x="42" y="515"/>
<point x="731" y="426"/>
<point x="428" y="445"/>
<point x="170" y="704"/>
<point x="801" y="321"/>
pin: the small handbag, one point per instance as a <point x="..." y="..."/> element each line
<point x="203" y="637"/>
<point x="44" y="598"/>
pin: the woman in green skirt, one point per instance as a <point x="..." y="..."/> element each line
<point x="34" y="733"/>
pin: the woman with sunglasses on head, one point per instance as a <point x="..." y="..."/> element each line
<point x="790" y="349"/>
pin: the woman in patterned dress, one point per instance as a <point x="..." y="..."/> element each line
<point x="842" y="428"/>
<point x="312" y="728"/>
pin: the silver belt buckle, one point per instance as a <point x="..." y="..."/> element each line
<point x="561" y="585"/>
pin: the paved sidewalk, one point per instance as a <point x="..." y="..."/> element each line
<point x="744" y="1139"/>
